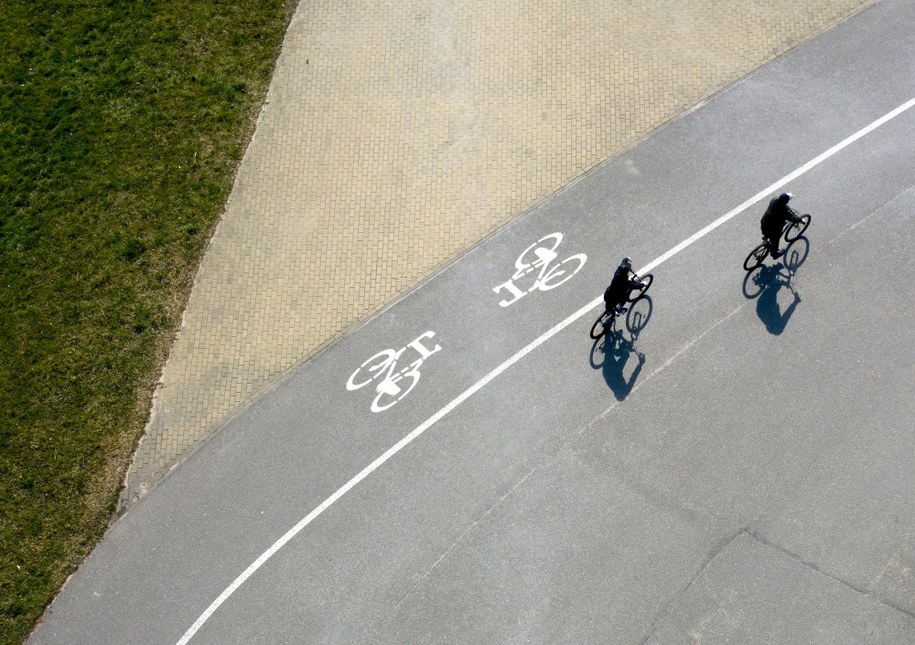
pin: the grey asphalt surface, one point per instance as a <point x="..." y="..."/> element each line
<point x="748" y="480"/>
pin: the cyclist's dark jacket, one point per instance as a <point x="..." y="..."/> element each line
<point x="618" y="290"/>
<point x="773" y="220"/>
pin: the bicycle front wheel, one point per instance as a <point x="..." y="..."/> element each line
<point x="795" y="229"/>
<point x="756" y="257"/>
<point x="635" y="294"/>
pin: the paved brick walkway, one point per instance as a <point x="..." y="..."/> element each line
<point x="398" y="134"/>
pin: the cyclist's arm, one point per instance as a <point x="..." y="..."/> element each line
<point x="793" y="214"/>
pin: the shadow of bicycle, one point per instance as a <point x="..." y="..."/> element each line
<point x="613" y="353"/>
<point x="765" y="283"/>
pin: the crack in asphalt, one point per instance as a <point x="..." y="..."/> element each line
<point x="756" y="536"/>
<point x="713" y="553"/>
<point x="460" y="539"/>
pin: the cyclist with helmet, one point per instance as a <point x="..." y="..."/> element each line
<point x="624" y="281"/>
<point x="773" y="221"/>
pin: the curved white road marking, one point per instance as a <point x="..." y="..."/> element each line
<point x="476" y="387"/>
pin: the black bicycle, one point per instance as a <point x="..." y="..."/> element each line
<point x="792" y="231"/>
<point x="604" y="322"/>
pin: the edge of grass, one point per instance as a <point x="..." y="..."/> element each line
<point x="122" y="126"/>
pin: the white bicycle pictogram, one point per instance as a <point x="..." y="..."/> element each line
<point x="391" y="387"/>
<point x="541" y="255"/>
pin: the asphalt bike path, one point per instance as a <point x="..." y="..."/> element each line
<point x="573" y="496"/>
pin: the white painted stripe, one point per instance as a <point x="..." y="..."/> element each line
<point x="476" y="387"/>
<point x="780" y="183"/>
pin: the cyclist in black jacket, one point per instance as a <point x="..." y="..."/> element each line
<point x="773" y="221"/>
<point x="624" y="281"/>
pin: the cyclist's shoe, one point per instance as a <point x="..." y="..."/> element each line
<point x="776" y="254"/>
<point x="620" y="309"/>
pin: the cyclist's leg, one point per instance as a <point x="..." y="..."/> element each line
<point x="772" y="238"/>
<point x="608" y="300"/>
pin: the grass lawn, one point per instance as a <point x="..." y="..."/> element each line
<point x="121" y="126"/>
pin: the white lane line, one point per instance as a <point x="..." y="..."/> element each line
<point x="476" y="387"/>
<point x="781" y="182"/>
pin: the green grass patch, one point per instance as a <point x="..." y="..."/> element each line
<point x="121" y="126"/>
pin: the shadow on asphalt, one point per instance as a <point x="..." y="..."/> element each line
<point x="765" y="282"/>
<point x="615" y="353"/>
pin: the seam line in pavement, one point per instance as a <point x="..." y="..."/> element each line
<point x="760" y="539"/>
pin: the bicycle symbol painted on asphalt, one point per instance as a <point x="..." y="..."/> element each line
<point x="391" y="386"/>
<point x="541" y="255"/>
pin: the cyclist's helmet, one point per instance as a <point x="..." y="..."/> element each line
<point x="784" y="198"/>
<point x="626" y="263"/>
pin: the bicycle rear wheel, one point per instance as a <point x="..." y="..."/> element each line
<point x="635" y="294"/>
<point x="600" y="327"/>
<point x="756" y="257"/>
<point x="795" y="229"/>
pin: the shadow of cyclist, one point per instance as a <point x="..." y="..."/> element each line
<point x="765" y="283"/>
<point x="772" y="279"/>
<point x="615" y="366"/>
<point x="612" y="353"/>
<point x="796" y="254"/>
